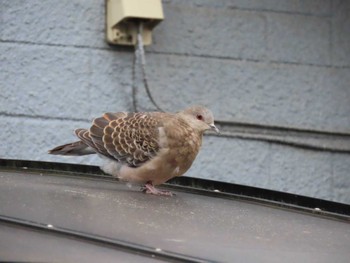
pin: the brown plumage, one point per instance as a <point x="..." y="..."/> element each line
<point x="144" y="147"/>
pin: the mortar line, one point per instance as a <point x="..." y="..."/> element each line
<point x="129" y="49"/>
<point x="272" y="62"/>
<point x="260" y="10"/>
<point x="41" y="117"/>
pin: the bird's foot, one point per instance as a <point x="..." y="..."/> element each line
<point x="150" y="189"/>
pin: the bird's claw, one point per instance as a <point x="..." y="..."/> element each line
<point x="150" y="189"/>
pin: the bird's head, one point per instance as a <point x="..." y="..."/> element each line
<point x="200" y="118"/>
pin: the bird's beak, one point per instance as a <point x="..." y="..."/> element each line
<point x="213" y="127"/>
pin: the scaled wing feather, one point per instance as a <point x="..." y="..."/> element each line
<point x="132" y="138"/>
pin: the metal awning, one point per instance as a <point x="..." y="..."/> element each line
<point x="74" y="213"/>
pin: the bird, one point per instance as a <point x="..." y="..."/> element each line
<point x="146" y="148"/>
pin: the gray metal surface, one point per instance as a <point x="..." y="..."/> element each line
<point x="188" y="224"/>
<point x="23" y="245"/>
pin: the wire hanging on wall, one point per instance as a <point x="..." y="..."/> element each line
<point x="139" y="57"/>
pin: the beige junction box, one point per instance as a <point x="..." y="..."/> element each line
<point x="124" y="16"/>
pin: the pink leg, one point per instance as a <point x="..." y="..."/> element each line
<point x="150" y="189"/>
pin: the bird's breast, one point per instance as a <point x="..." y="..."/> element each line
<point x="182" y="153"/>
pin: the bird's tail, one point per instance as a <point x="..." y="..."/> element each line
<point x="74" y="148"/>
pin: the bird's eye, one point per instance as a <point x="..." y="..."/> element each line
<point x="200" y="117"/>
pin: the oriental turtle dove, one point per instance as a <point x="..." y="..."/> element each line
<point x="145" y="147"/>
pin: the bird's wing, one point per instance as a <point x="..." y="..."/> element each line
<point x="131" y="138"/>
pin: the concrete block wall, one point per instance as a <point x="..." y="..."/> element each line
<point x="273" y="62"/>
